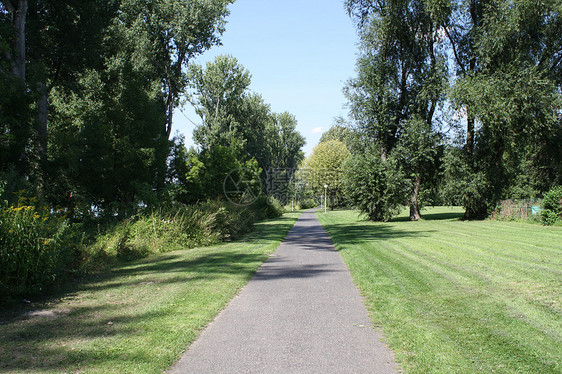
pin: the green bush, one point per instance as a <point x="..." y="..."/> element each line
<point x="33" y="251"/>
<point x="308" y="203"/>
<point x="375" y="187"/>
<point x="552" y="206"/>
<point x="266" y="207"/>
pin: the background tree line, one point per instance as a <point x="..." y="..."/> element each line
<point x="89" y="92"/>
<point x="455" y="102"/>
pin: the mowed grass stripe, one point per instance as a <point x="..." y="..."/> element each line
<point x="482" y="251"/>
<point x="533" y="235"/>
<point x="451" y="301"/>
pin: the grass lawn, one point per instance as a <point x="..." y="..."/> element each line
<point x="455" y="296"/>
<point x="139" y="317"/>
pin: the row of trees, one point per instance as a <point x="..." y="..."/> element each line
<point x="238" y="132"/>
<point x="89" y="91"/>
<point x="460" y="96"/>
<point x="92" y="86"/>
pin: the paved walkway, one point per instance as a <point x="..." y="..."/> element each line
<point x="300" y="313"/>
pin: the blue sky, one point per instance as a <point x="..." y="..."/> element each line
<point x="300" y="54"/>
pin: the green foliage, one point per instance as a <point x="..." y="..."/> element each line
<point x="463" y="186"/>
<point x="325" y="166"/>
<point x="308" y="203"/>
<point x="173" y="227"/>
<point x="33" y="250"/>
<point x="219" y="91"/>
<point x="552" y="206"/>
<point x="507" y="87"/>
<point x="342" y="132"/>
<point x="267" y="207"/>
<point x="15" y="124"/>
<point x="103" y="117"/>
<point x="402" y="79"/>
<point x="231" y="113"/>
<point x="195" y="177"/>
<point x="374" y="186"/>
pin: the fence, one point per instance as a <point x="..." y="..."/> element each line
<point x="517" y="209"/>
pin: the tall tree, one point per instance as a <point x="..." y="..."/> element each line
<point x="323" y="170"/>
<point x="15" y="50"/>
<point x="15" y="125"/>
<point x="228" y="110"/>
<point x="56" y="47"/>
<point x="401" y="74"/>
<point x="513" y="92"/>
<point x="173" y="33"/>
<point x="218" y="93"/>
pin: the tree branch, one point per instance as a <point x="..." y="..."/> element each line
<point x="457" y="58"/>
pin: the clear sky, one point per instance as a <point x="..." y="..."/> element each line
<point x="300" y="53"/>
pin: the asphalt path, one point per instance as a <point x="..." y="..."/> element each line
<point x="300" y="313"/>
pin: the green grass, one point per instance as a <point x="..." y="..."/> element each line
<point x="139" y="317"/>
<point x="456" y="296"/>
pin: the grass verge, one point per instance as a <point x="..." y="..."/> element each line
<point x="138" y="317"/>
<point x="457" y="296"/>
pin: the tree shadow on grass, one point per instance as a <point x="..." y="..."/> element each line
<point x="427" y="216"/>
<point x="364" y="231"/>
<point x="105" y="308"/>
<point x="66" y="342"/>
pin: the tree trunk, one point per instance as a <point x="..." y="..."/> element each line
<point x="19" y="13"/>
<point x="41" y="121"/>
<point x="469" y="135"/>
<point x="169" y="116"/>
<point x="475" y="15"/>
<point x="384" y="154"/>
<point x="40" y="156"/>
<point x="414" y="203"/>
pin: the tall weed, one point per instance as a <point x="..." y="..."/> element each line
<point x="33" y="252"/>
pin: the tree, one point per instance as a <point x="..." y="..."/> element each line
<point x="230" y="112"/>
<point x="104" y="77"/>
<point x="324" y="167"/>
<point x="416" y="155"/>
<point x="342" y="132"/>
<point x="218" y="93"/>
<point x="173" y="32"/>
<point x="14" y="13"/>
<point x="211" y="173"/>
<point x="287" y="142"/>
<point x="512" y="89"/>
<point x="401" y="79"/>
<point x="373" y="185"/>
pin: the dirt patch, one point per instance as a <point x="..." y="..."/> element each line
<point x="45" y="313"/>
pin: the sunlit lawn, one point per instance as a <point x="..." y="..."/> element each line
<point x="140" y="317"/>
<point x="455" y="296"/>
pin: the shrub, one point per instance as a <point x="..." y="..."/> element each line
<point x="308" y="203"/>
<point x="266" y="207"/>
<point x="33" y="251"/>
<point x="552" y="206"/>
<point x="374" y="186"/>
<point x="174" y="227"/>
